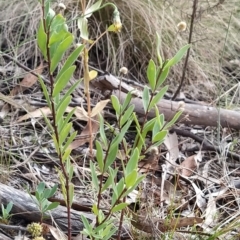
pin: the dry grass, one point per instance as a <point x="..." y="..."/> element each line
<point x="215" y="39"/>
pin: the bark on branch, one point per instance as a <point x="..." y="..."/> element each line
<point x="24" y="207"/>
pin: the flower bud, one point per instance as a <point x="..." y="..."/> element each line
<point x="182" y="26"/>
<point x="117" y="20"/>
<point x="123" y="70"/>
<point x="62" y="6"/>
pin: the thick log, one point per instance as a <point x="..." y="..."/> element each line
<point x="194" y="113"/>
<point x="24" y="207"/>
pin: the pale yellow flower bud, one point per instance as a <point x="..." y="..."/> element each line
<point x="123" y="70"/>
<point x="62" y="6"/>
<point x="117" y="21"/>
<point x="181" y="106"/>
<point x="182" y="26"/>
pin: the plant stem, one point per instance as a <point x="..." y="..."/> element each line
<point x="60" y="154"/>
<point x="188" y="51"/>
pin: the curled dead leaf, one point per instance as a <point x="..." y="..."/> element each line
<point x="80" y="113"/>
<point x="99" y="107"/>
<point x="84" y="136"/>
<point x="188" y="166"/>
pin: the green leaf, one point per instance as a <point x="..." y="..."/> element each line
<point x="149" y="125"/>
<point x="119" y="207"/>
<point x="69" y="141"/>
<point x="95" y="7"/>
<point x="58" y="54"/>
<point x="44" y="205"/>
<point x="134" y="186"/>
<point x="94" y="176"/>
<point x="178" y="56"/>
<point x="158" y="51"/>
<point x="66" y="155"/>
<point x="117" y="191"/>
<point x="70" y="60"/>
<point x="162" y="77"/>
<point x="126" y="115"/>
<point x="62" y="108"/>
<point x="9" y="207"/>
<point x="42" y="40"/>
<point x="141" y="140"/>
<point x="49" y="15"/>
<point x="53" y="190"/>
<point x="110" y="234"/>
<point x="99" y="156"/>
<point x="156" y="128"/>
<point x="160" y="136"/>
<point x="56" y="145"/>
<point x="95" y="209"/>
<point x="46" y="7"/>
<point x="64" y="133"/>
<point x="46" y="193"/>
<point x="121" y="135"/>
<point x="86" y="223"/>
<point x="40" y="187"/>
<point x="71" y="193"/>
<point x="63" y="80"/>
<point x="151" y="74"/>
<point x="52" y="205"/>
<point x="116" y="104"/>
<point x="111" y="28"/>
<point x="131" y="178"/>
<point x="65" y="121"/>
<point x="158" y="97"/>
<point x="110" y="229"/>
<point x="99" y="229"/>
<point x="58" y="25"/>
<point x="83" y="26"/>
<point x="70" y="90"/>
<point x="57" y="37"/>
<point x="146" y="98"/>
<point x="175" y="118"/>
<point x="112" y="176"/>
<point x="133" y="161"/>
<point x="69" y="168"/>
<point x="45" y="92"/>
<point x="126" y="101"/>
<point x="107" y="184"/>
<point x="111" y="157"/>
<point x="102" y="131"/>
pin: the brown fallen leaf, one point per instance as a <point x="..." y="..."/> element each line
<point x="99" y="107"/>
<point x="28" y="81"/>
<point x="56" y="233"/>
<point x="150" y="225"/>
<point x="9" y="100"/>
<point x="84" y="136"/>
<point x="80" y="113"/>
<point x="35" y="114"/>
<point x="150" y="162"/>
<point x="188" y="166"/>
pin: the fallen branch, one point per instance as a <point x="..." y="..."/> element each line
<point x="24" y="207"/>
<point x="194" y="114"/>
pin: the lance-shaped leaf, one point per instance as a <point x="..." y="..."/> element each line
<point x="178" y="56"/>
<point x="42" y="40"/>
<point x="151" y="74"/>
<point x="63" y="80"/>
<point x="58" y="54"/>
